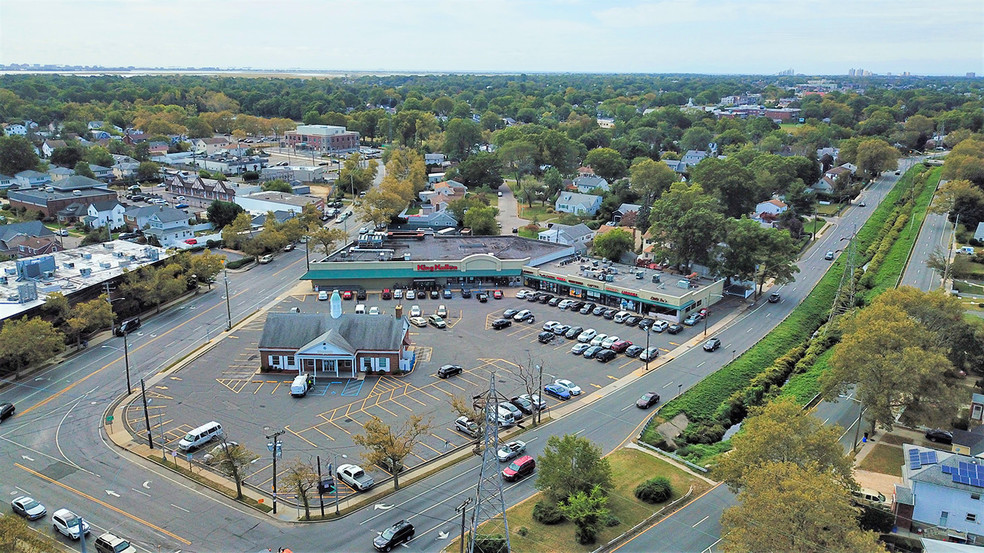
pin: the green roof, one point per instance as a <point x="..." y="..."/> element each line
<point x="330" y="274"/>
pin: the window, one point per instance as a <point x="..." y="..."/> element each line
<point x="290" y="360"/>
<point x="971" y="517"/>
<point x="975" y="496"/>
<point x="943" y="516"/>
<point x="384" y="363"/>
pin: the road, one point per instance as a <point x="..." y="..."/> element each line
<point x="55" y="448"/>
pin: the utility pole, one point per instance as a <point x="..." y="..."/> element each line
<point x="275" y="449"/>
<point x="321" y="497"/>
<point x="143" y="393"/>
<point x="225" y="277"/>
<point x="539" y="411"/>
<point x="126" y="360"/>
<point x="463" y="508"/>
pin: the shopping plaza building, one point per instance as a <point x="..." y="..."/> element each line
<point x="424" y="261"/>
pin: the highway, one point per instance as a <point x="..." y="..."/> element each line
<point x="55" y="448"/>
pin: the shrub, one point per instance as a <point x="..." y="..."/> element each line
<point x="523" y="531"/>
<point x="547" y="513"/>
<point x="654" y="490"/>
<point x="486" y="543"/>
<point x="240" y="262"/>
<point x="586" y="534"/>
<point x="611" y="520"/>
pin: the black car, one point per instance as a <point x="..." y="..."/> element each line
<point x="587" y="308"/>
<point x="675" y="328"/>
<point x="483" y="297"/>
<point x="712" y="344"/>
<point x="434" y="294"/>
<point x="523" y="404"/>
<point x="647" y="400"/>
<point x="401" y="532"/>
<point x="448" y="370"/>
<point x="940" y="436"/>
<point x="360" y="294"/>
<point x="610" y="314"/>
<point x="576" y="306"/>
<point x="573" y="332"/>
<point x="774" y="297"/>
<point x="546" y="298"/>
<point x="545" y="336"/>
<point x="632" y="320"/>
<point x="386" y="294"/>
<point x="508" y="313"/>
<point x="128" y="326"/>
<point x="554" y="301"/>
<point x="6" y="410"/>
<point x="646" y="323"/>
<point x="465" y="293"/>
<point x="605" y="355"/>
<point x="633" y="350"/>
<point x="499" y="324"/>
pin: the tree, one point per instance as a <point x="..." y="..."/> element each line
<point x="233" y="460"/>
<point x="148" y="170"/>
<point x="386" y="201"/>
<point x="733" y="184"/>
<point x="82" y="168"/>
<point x="354" y="177"/>
<point x="553" y="181"/>
<point x="56" y="308"/>
<point x="167" y="283"/>
<point x="612" y="244"/>
<point x="740" y="259"/>
<point x="961" y="198"/>
<point x="875" y="156"/>
<point x="68" y="156"/>
<point x="782" y="432"/>
<point x="16" y="535"/>
<point x="24" y="342"/>
<point x="16" y="155"/>
<point x="460" y="138"/>
<point x="406" y="166"/>
<point x="222" y="213"/>
<point x="237" y="233"/>
<point x="300" y="479"/>
<point x="206" y="265"/>
<point x="696" y="138"/>
<point x="607" y="163"/>
<point x="788" y="507"/>
<point x="480" y="169"/>
<point x="586" y="510"/>
<point x="686" y="224"/>
<point x="896" y="366"/>
<point x="571" y="464"/>
<point x="481" y="219"/>
<point x="650" y="178"/>
<point x="328" y="238"/>
<point x="531" y="189"/>
<point x="463" y="407"/>
<point x="777" y="253"/>
<point x="86" y="317"/>
<point x="388" y="448"/>
<point x="518" y="157"/>
<point x="277" y="185"/>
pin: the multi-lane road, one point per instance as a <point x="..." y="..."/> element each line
<point x="55" y="448"/>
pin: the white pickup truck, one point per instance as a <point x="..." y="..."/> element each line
<point x="354" y="476"/>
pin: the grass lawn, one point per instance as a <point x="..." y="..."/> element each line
<point x="831" y="209"/>
<point x="968" y="287"/>
<point x="630" y="467"/>
<point x="525" y="233"/>
<point x="539" y="211"/>
<point x="814" y="225"/>
<point x="883" y="459"/>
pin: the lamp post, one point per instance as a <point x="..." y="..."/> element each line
<point x="225" y="276"/>
<point x="335" y="468"/>
<point x="126" y="362"/>
<point x="646" y="353"/>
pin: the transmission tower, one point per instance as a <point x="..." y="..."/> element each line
<point x="490" y="507"/>
<point x="847" y="289"/>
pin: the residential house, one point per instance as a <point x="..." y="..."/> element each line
<point x="169" y="227"/>
<point x="578" y="235"/>
<point x="123" y="170"/>
<point x="30" y="246"/>
<point x="434" y="159"/>
<point x="449" y="190"/>
<point x="676" y="164"/>
<point x="968" y="442"/>
<point x="768" y="211"/>
<point x="584" y="170"/>
<point x="835" y="172"/>
<point x="31" y="179"/>
<point x="49" y="145"/>
<point x="6" y="181"/>
<point x="940" y="493"/>
<point x="824" y="186"/>
<point x="15" y="233"/>
<point x="693" y="157"/>
<point x="100" y="135"/>
<point x="134" y="136"/>
<point x="230" y="164"/>
<point x="197" y="192"/>
<point x="158" y="148"/>
<point x="15" y="130"/>
<point x="138" y="218"/>
<point x="93" y="125"/>
<point x="622" y="211"/>
<point x="104" y="174"/>
<point x="280" y="215"/>
<point x="590" y="184"/>
<point x="321" y="345"/>
<point x="60" y="173"/>
<point x="261" y="202"/>
<point x="106" y="212"/>
<point x="433" y="219"/>
<point x="579" y="204"/>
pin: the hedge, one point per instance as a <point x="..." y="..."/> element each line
<point x="240" y="262"/>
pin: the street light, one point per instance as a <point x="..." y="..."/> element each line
<point x="649" y="330"/>
<point x="335" y="468"/>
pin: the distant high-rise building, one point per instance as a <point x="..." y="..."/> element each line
<point x="971" y="75"/>
<point x="850" y="72"/>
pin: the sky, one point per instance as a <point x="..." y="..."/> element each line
<point x="813" y="37"/>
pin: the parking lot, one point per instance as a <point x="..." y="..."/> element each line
<point x="223" y="384"/>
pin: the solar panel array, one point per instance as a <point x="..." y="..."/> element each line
<point x="919" y="458"/>
<point x="967" y="473"/>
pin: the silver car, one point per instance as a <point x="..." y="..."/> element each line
<point x="511" y="450"/>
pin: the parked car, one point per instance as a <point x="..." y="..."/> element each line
<point x="545" y="337"/>
<point x="610" y="314"/>
<point x="632" y="320"/>
<point x="561" y="330"/>
<point x="564" y="304"/>
<point x="289" y="247"/>
<point x="436" y="321"/>
<point x="418" y="321"/>
<point x="523" y="315"/>
<point x="621" y="345"/>
<point x="447" y="294"/>
<point x="774" y="297"/>
<point x="520" y="468"/>
<point x="415" y="311"/>
<point x="605" y="355"/>
<point x="374" y="310"/>
<point x="633" y="350"/>
<point x="587" y="335"/>
<point x="6" y="410"/>
<point x="607" y="342"/>
<point x="598" y="339"/>
<point x="675" y="328"/>
<point x="573" y="332"/>
<point x="511" y="450"/>
<point x="534" y="400"/>
<point x="361" y="294"/>
<point x="522" y="294"/>
<point x="434" y="294"/>
<point x="587" y="308"/>
<point x="28" y="507"/>
<point x="579" y="348"/>
<point x="554" y="302"/>
<point x="449" y="370"/>
<point x="712" y="344"/>
<point x="347" y="295"/>
<point x="398" y="294"/>
<point x="69" y="524"/>
<point x="557" y="391"/>
<point x="939" y="436"/>
<point x="660" y="326"/>
<point x="399" y="533"/>
<point x="647" y="400"/>
<point x="574" y="389"/>
<point x="411" y="294"/>
<point x="649" y="354"/>
<point x="465" y="293"/>
<point x="546" y="299"/>
<point x="442" y="311"/>
<point x="497" y="294"/>
<point x="465" y="426"/>
<point x="499" y="324"/>
<point x="110" y="543"/>
<point x="516" y="413"/>
<point x="508" y="313"/>
<point x="354" y="476"/>
<point x="591" y="352"/>
<point x="693" y="319"/>
<point x="523" y="404"/>
<point x="599" y="310"/>
<point x="549" y="326"/>
<point x="264" y="259"/>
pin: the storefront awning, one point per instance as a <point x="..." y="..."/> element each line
<point x="363" y="274"/>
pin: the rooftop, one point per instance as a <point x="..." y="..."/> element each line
<point x="442" y="248"/>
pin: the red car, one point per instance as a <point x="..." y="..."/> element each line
<point x="191" y="241"/>
<point x="621" y="345"/>
<point x="497" y="294"/>
<point x="347" y="295"/>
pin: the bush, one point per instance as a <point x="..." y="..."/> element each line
<point x="586" y="534"/>
<point x="523" y="531"/>
<point x="251" y="176"/>
<point x="240" y="262"/>
<point x="547" y="513"/>
<point x="611" y="520"/>
<point x="485" y="543"/>
<point x="654" y="490"/>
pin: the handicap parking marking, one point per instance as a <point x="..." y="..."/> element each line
<point x="352" y="388"/>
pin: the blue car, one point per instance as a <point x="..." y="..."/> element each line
<point x="557" y="391"/>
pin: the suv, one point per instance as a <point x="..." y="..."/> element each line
<point x="399" y="533"/>
<point x="520" y="468"/>
<point x="449" y="370"/>
<point x="386" y="294"/>
<point x="500" y="324"/>
<point x="68" y="523"/>
<point x="128" y="326"/>
<point x="108" y="543"/>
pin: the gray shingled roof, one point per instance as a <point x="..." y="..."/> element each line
<point x="170" y="214"/>
<point x="349" y="332"/>
<point x="27" y="228"/>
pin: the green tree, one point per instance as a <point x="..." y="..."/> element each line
<point x="782" y="432"/>
<point x="276" y="185"/>
<point x="206" y="266"/>
<point x="301" y="479"/>
<point x="518" y="157"/>
<point x="607" y="163"/>
<point x="16" y="155"/>
<point x="875" y="156"/>
<point x="480" y="169"/>
<point x="386" y="201"/>
<point x="650" y="178"/>
<point x="686" y="224"/>
<point x="776" y="258"/>
<point x="405" y="166"/>
<point x="148" y="171"/>
<point x="222" y="213"/>
<point x="586" y="510"/>
<point x="327" y="238"/>
<point x="89" y="316"/>
<point x="740" y="259"/>
<point x="482" y="220"/>
<point x="67" y="156"/>
<point x="961" y="198"/>
<point x="571" y="464"/>
<point x="531" y="189"/>
<point x="98" y="155"/>
<point x="24" y="342"/>
<point x="696" y="138"/>
<point x="553" y="181"/>
<point x="460" y="137"/>
<point x="788" y="507"/>
<point x="82" y="168"/>
<point x="613" y="244"/>
<point x="896" y="366"/>
<point x="55" y="308"/>
<point x="734" y="185"/>
<point x="233" y="460"/>
<point x="237" y="233"/>
<point x="357" y="175"/>
<point x="388" y="447"/>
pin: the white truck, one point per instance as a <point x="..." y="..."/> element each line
<point x="354" y="476"/>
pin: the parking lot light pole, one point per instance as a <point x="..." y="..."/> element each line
<point x="126" y="361"/>
<point x="228" y="308"/>
<point x="335" y="459"/>
<point x="646" y="353"/>
<point x="274" y="450"/>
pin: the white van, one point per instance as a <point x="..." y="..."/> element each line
<point x="200" y="436"/>
<point x="621" y="316"/>
<point x="301" y="384"/>
<point x="505" y="418"/>
<point x="360" y="309"/>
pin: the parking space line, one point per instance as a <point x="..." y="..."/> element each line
<point x="456" y="386"/>
<point x="429" y="447"/>
<point x="612" y="377"/>
<point x="627" y="363"/>
<point x="257" y="390"/>
<point x="401" y="405"/>
<point x="385" y="409"/>
<point x="319" y="431"/>
<point x="275" y="388"/>
<point x="260" y="470"/>
<point x="408" y="396"/>
<point x="421" y="390"/>
<point x="340" y="428"/>
<point x="312" y="444"/>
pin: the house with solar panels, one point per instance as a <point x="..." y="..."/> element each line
<point x="940" y="495"/>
